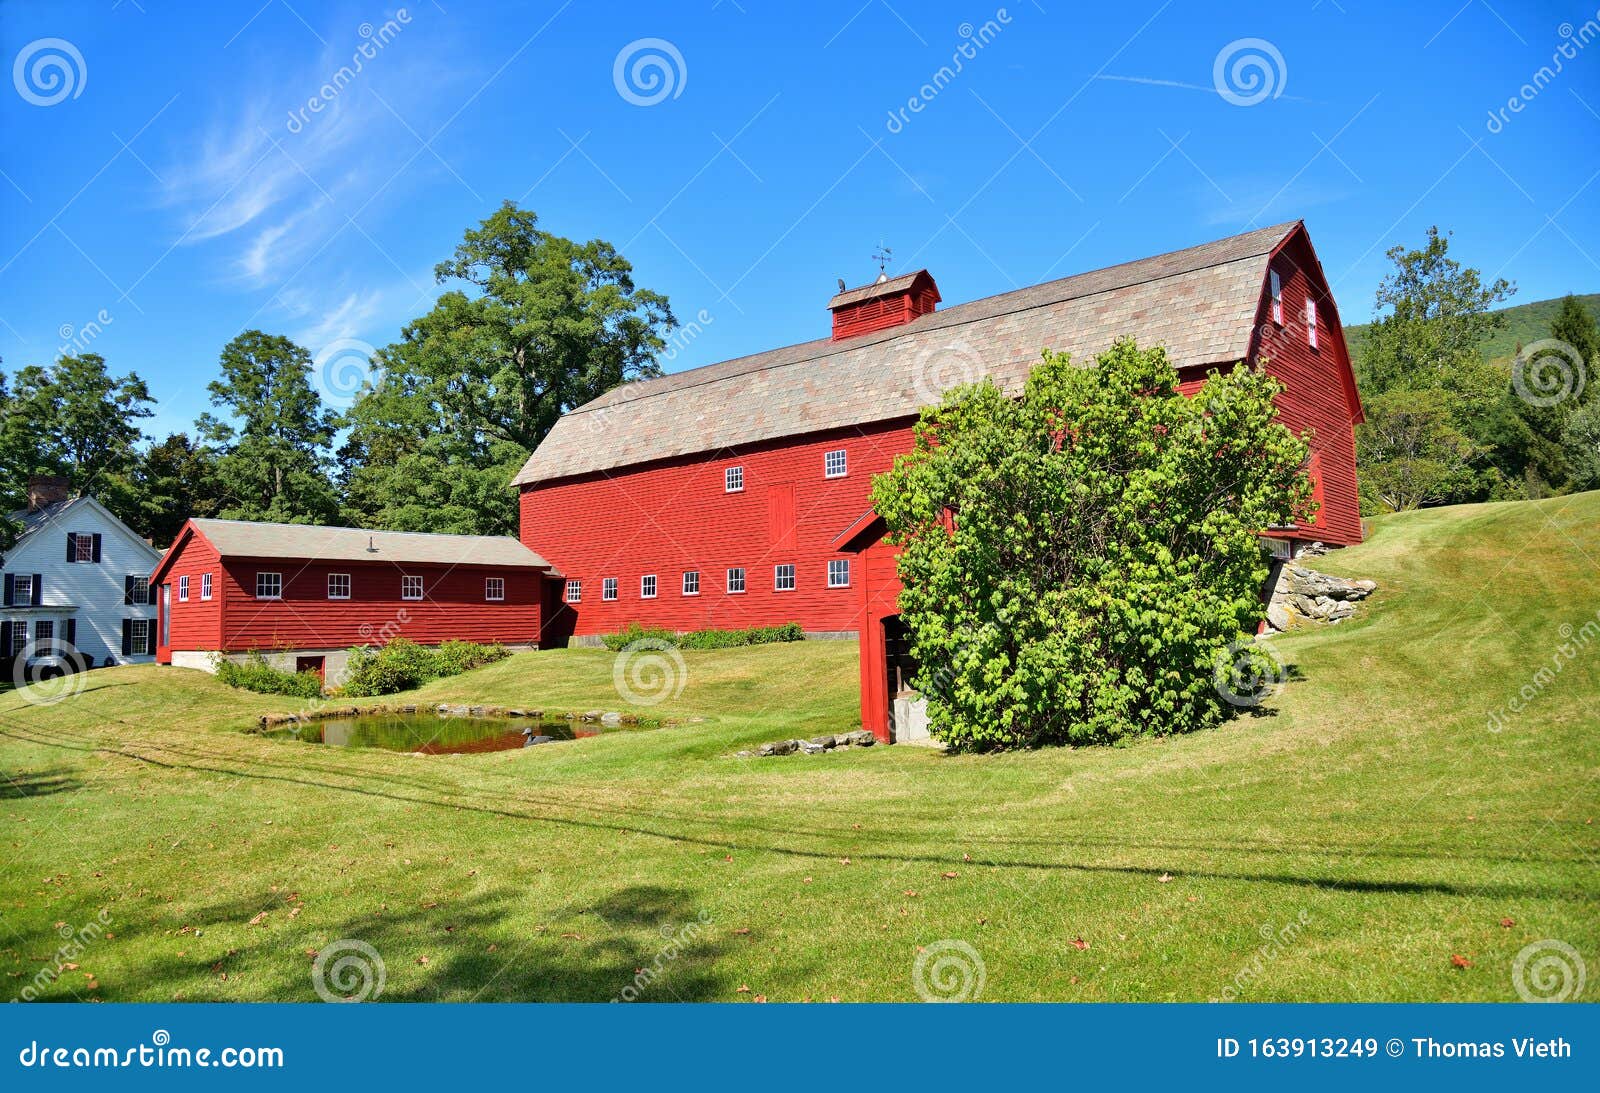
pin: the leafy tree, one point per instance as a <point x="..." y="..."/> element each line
<point x="173" y="481"/>
<point x="1074" y="561"/>
<point x="550" y="324"/>
<point x="1580" y="440"/>
<point x="275" y="451"/>
<point x="1410" y="452"/>
<point x="1575" y="325"/>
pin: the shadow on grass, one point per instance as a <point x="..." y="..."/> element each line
<point x="37" y="783"/>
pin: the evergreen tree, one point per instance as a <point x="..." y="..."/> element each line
<point x="173" y="481"/>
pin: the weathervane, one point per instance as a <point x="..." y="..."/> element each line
<point x="882" y="256"/>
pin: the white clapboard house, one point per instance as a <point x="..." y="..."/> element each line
<point x="76" y="580"/>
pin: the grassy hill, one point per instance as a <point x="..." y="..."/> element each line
<point x="1374" y="820"/>
<point x="1525" y="323"/>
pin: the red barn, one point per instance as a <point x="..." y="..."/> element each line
<point x="737" y="494"/>
<point x="304" y="595"/>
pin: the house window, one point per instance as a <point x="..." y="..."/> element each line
<point x="733" y="479"/>
<point x="205" y="586"/>
<point x="574" y="591"/>
<point x="143" y="631"/>
<point x="736" y="580"/>
<point x="269" y="586"/>
<point x="183" y="589"/>
<point x="338" y="586"/>
<point x="691" y="582"/>
<point x="19" y="636"/>
<point x="410" y="588"/>
<point x="783" y="578"/>
<point x="494" y="588"/>
<point x="839" y="573"/>
<point x="139" y="590"/>
<point x="83" y="548"/>
<point x="608" y="588"/>
<point x="835" y="464"/>
<point x="647" y="587"/>
<point x="1277" y="296"/>
<point x="1311" y="322"/>
<point x="22" y="589"/>
<point x="44" y="630"/>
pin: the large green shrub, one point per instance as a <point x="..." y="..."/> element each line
<point x="255" y="674"/>
<point x="403" y="664"/>
<point x="704" y="639"/>
<point x="1074" y="561"/>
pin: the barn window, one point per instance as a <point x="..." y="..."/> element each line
<point x="494" y="589"/>
<point x="410" y="588"/>
<point x="1277" y="296"/>
<point x="733" y="480"/>
<point x="691" y="582"/>
<point x="338" y="586"/>
<point x="574" y="591"/>
<point x="647" y="587"/>
<point x="839" y="573"/>
<point x="183" y="589"/>
<point x="608" y="589"/>
<point x="835" y="464"/>
<point x="205" y="586"/>
<point x="269" y="586"/>
<point x="736" y="580"/>
<point x="1311" y="322"/>
<point x="783" y="578"/>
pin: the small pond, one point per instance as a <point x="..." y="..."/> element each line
<point x="436" y="734"/>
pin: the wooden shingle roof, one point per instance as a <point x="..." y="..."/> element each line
<point x="1199" y="303"/>
<point x="252" y="539"/>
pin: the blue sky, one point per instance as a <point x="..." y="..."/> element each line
<point x="182" y="189"/>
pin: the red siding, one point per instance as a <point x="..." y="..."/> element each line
<point x="674" y="516"/>
<point x="197" y="623"/>
<point x="453" y="606"/>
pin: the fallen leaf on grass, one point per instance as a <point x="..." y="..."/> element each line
<point x="258" y="919"/>
<point x="422" y="960"/>
<point x="1508" y="922"/>
<point x="1165" y="878"/>
<point x="743" y="988"/>
<point x="911" y="893"/>
<point x="742" y="930"/>
<point x="1079" y="944"/>
<point x="1460" y="961"/>
<point x="949" y="876"/>
<point x="759" y="998"/>
<point x="844" y="861"/>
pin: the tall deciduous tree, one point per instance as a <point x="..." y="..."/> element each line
<point x="275" y="446"/>
<point x="173" y="481"/>
<point x="1074" y="561"/>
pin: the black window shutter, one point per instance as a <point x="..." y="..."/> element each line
<point x="5" y="639"/>
<point x="38" y="589"/>
<point x="127" y="591"/>
<point x="97" y="546"/>
<point x="150" y="639"/>
<point x="11" y="586"/>
<point x="72" y="632"/>
<point x="127" y="637"/>
<point x="72" y="546"/>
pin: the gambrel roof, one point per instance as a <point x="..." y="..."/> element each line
<point x="1200" y="303"/>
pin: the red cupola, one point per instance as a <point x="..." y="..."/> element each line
<point x="890" y="301"/>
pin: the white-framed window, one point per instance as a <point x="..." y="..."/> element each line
<point x="494" y="589"/>
<point x="44" y="630"/>
<point x="143" y="631"/>
<point x="736" y="580"/>
<point x="733" y="479"/>
<point x="647" y="586"/>
<point x="205" y="586"/>
<point x="141" y="590"/>
<point x="783" y="578"/>
<point x="574" y="591"/>
<point x="269" y="586"/>
<point x="1277" y="296"/>
<point x="22" y="588"/>
<point x="608" y="589"/>
<point x="835" y="464"/>
<point x="183" y="589"/>
<point x="338" y="586"/>
<point x="410" y="588"/>
<point x="838" y="572"/>
<point x="1311" y="322"/>
<point x="83" y="547"/>
<point x="19" y="635"/>
<point x="691" y="582"/>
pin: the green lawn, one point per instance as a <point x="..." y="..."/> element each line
<point x="1369" y="810"/>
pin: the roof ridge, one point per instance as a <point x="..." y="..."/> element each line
<point x="346" y="527"/>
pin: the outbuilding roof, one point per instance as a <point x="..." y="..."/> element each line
<point x="1199" y="303"/>
<point x="247" y="539"/>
